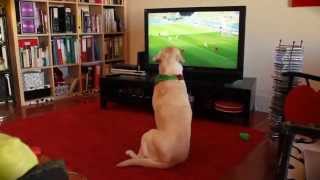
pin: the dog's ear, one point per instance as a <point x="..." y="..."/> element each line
<point x="157" y="57"/>
<point x="180" y="56"/>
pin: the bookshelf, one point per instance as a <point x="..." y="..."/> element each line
<point x="63" y="47"/>
<point x="6" y="88"/>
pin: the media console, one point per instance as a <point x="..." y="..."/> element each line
<point x="139" y="89"/>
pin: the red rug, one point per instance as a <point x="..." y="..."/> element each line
<point x="92" y="141"/>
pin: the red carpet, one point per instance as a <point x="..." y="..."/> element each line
<point x="92" y="141"/>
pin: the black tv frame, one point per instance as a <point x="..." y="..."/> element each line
<point x="202" y="73"/>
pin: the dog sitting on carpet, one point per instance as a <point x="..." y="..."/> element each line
<point x="168" y="144"/>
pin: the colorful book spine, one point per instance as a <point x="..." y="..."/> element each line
<point x="64" y="50"/>
<point x="113" y="48"/>
<point x="89" y="49"/>
<point x="90" y="22"/>
<point x="32" y="54"/>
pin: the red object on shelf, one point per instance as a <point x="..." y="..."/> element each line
<point x="297" y="3"/>
<point x="228" y="106"/>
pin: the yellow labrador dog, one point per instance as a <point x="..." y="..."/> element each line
<point x="169" y="143"/>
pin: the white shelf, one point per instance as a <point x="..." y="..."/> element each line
<point x="63" y="2"/>
<point x="64" y="34"/>
<point x="40" y="1"/>
<point x="113" y="5"/>
<point x="65" y="65"/>
<point x="91" y="34"/>
<point x="91" y="63"/>
<point x="32" y="35"/>
<point x="35" y="68"/>
<point x="89" y="4"/>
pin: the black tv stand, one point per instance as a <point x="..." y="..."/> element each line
<point x="139" y="89"/>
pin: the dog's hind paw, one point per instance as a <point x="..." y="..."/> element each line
<point x="131" y="154"/>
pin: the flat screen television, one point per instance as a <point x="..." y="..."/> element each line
<point x="212" y="39"/>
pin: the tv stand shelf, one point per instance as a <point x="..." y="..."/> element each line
<point x="139" y="89"/>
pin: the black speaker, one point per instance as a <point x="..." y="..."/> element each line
<point x="142" y="60"/>
<point x="52" y="170"/>
<point x="4" y="93"/>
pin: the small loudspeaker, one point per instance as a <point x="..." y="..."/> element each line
<point x="142" y="60"/>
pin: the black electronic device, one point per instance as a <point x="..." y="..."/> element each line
<point x="141" y="58"/>
<point x="212" y="39"/>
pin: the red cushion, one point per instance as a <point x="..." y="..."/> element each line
<point x="228" y="106"/>
<point x="302" y="105"/>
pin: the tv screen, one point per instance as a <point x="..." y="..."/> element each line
<point x="210" y="37"/>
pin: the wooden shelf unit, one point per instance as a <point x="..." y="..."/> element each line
<point x="47" y="38"/>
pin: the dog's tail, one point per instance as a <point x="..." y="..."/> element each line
<point x="145" y="162"/>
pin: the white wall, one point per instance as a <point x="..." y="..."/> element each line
<point x="267" y="22"/>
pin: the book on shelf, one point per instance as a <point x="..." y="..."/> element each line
<point x="114" y="22"/>
<point x="113" y="47"/>
<point x="33" y="54"/>
<point x="64" y="50"/>
<point x="3" y="58"/>
<point x="2" y="30"/>
<point x="89" y="49"/>
<point x="32" y="18"/>
<point x="113" y="1"/>
<point x="90" y="22"/>
<point x="62" y="20"/>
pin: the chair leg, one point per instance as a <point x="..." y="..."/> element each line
<point x="285" y="156"/>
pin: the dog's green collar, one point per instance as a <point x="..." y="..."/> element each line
<point x="165" y="77"/>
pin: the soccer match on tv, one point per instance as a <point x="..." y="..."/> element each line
<point x="208" y="39"/>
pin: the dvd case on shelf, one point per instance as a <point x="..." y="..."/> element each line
<point x="287" y="58"/>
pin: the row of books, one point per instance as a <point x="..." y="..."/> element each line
<point x="90" y="22"/>
<point x="3" y="46"/>
<point x="62" y="20"/>
<point x="113" y="21"/>
<point x="113" y="1"/>
<point x="32" y="54"/>
<point x="114" y="47"/>
<point x="89" y="49"/>
<point x="64" y="50"/>
<point x="32" y="18"/>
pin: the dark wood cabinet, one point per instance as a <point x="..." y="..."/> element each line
<point x="139" y="89"/>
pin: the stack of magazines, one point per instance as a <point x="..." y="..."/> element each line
<point x="287" y="58"/>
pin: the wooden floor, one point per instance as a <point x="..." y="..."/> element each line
<point x="259" y="165"/>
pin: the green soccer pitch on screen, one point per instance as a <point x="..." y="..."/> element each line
<point x="208" y="39"/>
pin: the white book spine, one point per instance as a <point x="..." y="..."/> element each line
<point x="8" y="85"/>
<point x="2" y="35"/>
<point x="5" y="57"/>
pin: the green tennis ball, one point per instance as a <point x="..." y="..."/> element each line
<point x="16" y="158"/>
<point x="244" y="136"/>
